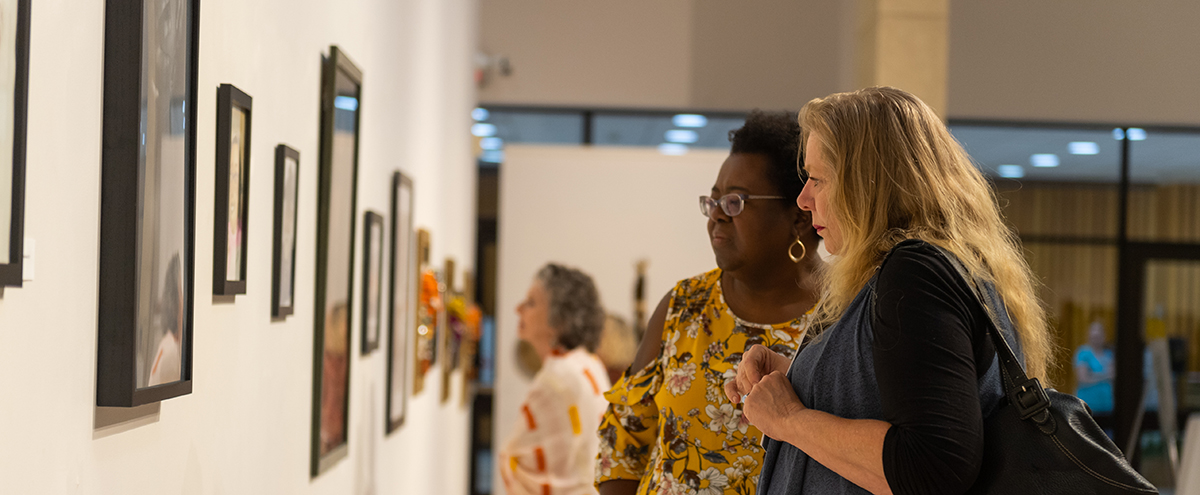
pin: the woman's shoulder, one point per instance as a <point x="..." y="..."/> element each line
<point x="572" y="373"/>
<point x="917" y="258"/>
<point x="703" y="282"/>
<point x="691" y="295"/>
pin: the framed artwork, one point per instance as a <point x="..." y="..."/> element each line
<point x="341" y="88"/>
<point x="14" y="101"/>
<point x="147" y="201"/>
<point x="429" y="305"/>
<point x="233" y="191"/>
<point x="372" y="280"/>
<point x="283" y="258"/>
<point x="401" y="313"/>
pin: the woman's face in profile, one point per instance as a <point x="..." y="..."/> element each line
<point x="763" y="229"/>
<point x="815" y="196"/>
<point x="533" y="324"/>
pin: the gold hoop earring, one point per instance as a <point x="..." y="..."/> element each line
<point x="803" y="251"/>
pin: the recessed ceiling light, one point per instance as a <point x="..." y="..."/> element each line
<point x="1011" y="171"/>
<point x="479" y="114"/>
<point x="1137" y="134"/>
<point x="689" y="120"/>
<point x="1083" y="148"/>
<point x="1044" y="160"/>
<point x="682" y="136"/>
<point x="491" y="143"/>
<point x="672" y="149"/>
<point x="483" y="130"/>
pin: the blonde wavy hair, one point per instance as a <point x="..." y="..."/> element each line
<point x="898" y="174"/>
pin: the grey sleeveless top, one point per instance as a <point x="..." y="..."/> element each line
<point x="836" y="374"/>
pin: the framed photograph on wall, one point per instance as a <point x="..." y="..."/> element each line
<point x="14" y="101"/>
<point x="232" y="200"/>
<point x="147" y="201"/>
<point x="372" y="280"/>
<point x="401" y="311"/>
<point x="341" y="89"/>
<point x="283" y="258"/>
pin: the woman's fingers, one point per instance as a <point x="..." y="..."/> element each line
<point x="733" y="392"/>
<point x="770" y="401"/>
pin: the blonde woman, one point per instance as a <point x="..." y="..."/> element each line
<point x="891" y="397"/>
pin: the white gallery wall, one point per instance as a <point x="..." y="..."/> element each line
<point x="246" y="426"/>
<point x="601" y="210"/>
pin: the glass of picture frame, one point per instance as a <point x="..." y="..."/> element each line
<point x="372" y="280"/>
<point x="401" y="313"/>
<point x="147" y="201"/>
<point x="341" y="89"/>
<point x="283" y="259"/>
<point x="14" y="100"/>
<point x="231" y="219"/>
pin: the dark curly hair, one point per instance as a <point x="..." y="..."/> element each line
<point x="775" y="135"/>
<point x="574" y="306"/>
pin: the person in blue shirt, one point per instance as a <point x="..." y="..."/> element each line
<point x="1094" y="371"/>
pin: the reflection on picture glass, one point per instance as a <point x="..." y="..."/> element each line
<point x="162" y="171"/>
<point x="376" y="266"/>
<point x="334" y="371"/>
<point x="8" y="87"/>
<point x="401" y="300"/>
<point x="237" y="150"/>
<point x="288" y="234"/>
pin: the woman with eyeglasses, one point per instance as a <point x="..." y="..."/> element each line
<point x="669" y="427"/>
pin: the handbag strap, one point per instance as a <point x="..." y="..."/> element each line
<point x="1027" y="394"/>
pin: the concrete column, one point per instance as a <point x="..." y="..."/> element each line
<point x="904" y="43"/>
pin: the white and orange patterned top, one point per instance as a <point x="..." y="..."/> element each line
<point x="553" y="451"/>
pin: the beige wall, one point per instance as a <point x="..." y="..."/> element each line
<point x="1075" y="60"/>
<point x="1070" y="60"/>
<point x="612" y="53"/>
<point x="666" y="54"/>
<point x="766" y="53"/>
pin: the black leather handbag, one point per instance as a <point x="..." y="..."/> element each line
<point x="1044" y="441"/>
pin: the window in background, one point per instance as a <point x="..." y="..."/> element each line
<point x="1058" y="188"/>
<point x="671" y="129"/>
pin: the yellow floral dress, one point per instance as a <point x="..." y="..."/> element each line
<point x="670" y="425"/>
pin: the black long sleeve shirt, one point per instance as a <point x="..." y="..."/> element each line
<point x="930" y="348"/>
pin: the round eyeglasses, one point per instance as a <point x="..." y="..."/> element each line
<point x="731" y="204"/>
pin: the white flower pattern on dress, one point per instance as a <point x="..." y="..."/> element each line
<point x="679" y="380"/>
<point x="725" y="416"/>
<point x="681" y="437"/>
<point x="716" y="482"/>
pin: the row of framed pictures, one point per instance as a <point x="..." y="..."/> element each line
<point x="147" y="221"/>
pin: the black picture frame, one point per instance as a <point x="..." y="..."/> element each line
<point x="372" y="280"/>
<point x="147" y="201"/>
<point x="283" y="258"/>
<point x="11" y="265"/>
<point x="231" y="220"/>
<point x="341" y="92"/>
<point x="402" y="318"/>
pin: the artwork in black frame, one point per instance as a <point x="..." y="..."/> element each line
<point x="283" y="258"/>
<point x="14" y="79"/>
<point x="232" y="215"/>
<point x="402" y="281"/>
<point x="372" y="280"/>
<point x="341" y="86"/>
<point x="147" y="201"/>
